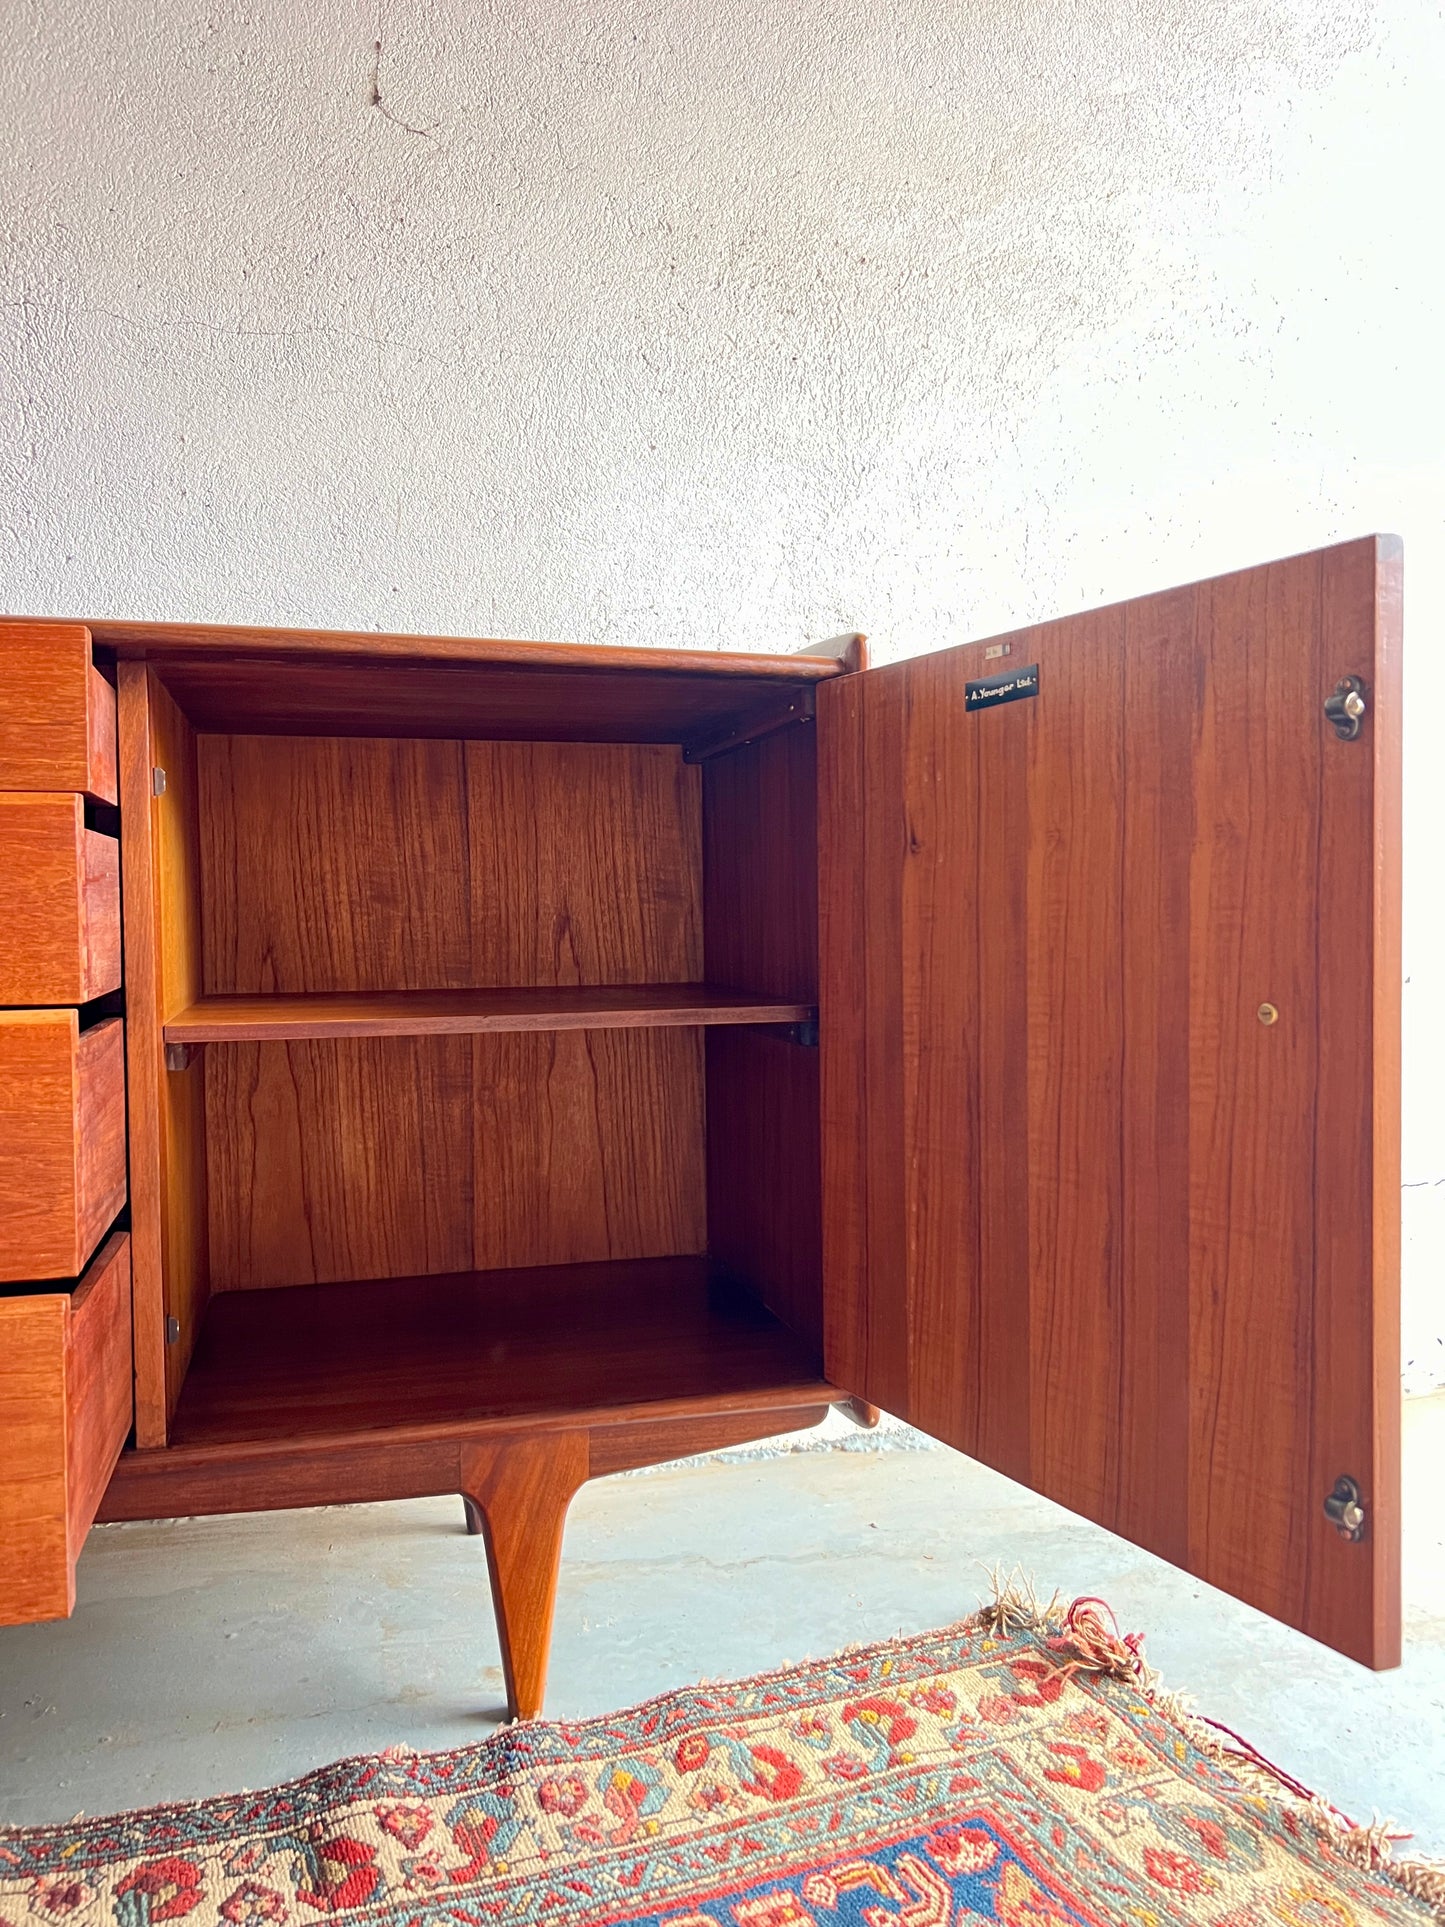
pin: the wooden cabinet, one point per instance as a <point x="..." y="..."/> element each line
<point x="546" y="1060"/>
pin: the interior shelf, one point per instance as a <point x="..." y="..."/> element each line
<point x="424" y="1356"/>
<point x="423" y="1013"/>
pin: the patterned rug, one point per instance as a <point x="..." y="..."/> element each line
<point x="1022" y="1767"/>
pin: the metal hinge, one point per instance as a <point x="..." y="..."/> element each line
<point x="1345" y="709"/>
<point x="173" y="1331"/>
<point x="1345" y="1509"/>
<point x="158" y="782"/>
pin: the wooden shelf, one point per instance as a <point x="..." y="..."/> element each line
<point x="428" y="1013"/>
<point x="475" y="1351"/>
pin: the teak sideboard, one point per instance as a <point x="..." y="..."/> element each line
<point x="435" y="1066"/>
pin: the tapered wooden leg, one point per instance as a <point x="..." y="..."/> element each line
<point x="474" y="1516"/>
<point x="521" y="1488"/>
<point x="860" y="1411"/>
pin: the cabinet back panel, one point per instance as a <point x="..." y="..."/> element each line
<point x="359" y="863"/>
<point x="394" y="864"/>
<point x="396" y="1156"/>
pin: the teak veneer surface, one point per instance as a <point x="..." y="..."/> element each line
<point x="441" y="1013"/>
<point x="59" y="902"/>
<point x="332" y="867"/>
<point x="57" y="712"/>
<point x="1087" y="1218"/>
<point x="419" y="1356"/>
<point x="163" y="641"/>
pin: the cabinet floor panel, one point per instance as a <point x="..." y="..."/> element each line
<point x="428" y="1013"/>
<point x="424" y="1357"/>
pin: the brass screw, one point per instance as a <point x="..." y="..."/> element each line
<point x="1267" y="1014"/>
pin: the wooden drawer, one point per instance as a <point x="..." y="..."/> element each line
<point x="65" y="1410"/>
<point x="57" y="712"/>
<point x="59" y="902"/>
<point x="62" y="1140"/>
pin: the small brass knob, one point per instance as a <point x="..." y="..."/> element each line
<point x="1267" y="1014"/>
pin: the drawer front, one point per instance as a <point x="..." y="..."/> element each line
<point x="62" y="1141"/>
<point x="57" y="712"/>
<point x="65" y="1411"/>
<point x="59" y="902"/>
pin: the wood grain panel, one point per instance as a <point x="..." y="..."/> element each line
<point x="37" y="1581"/>
<point x="348" y="1159"/>
<point x="218" y="643"/>
<point x="348" y="867"/>
<point x="589" y="1145"/>
<point x="161" y="893"/>
<point x="62" y="1140"/>
<point x="459" y="1013"/>
<point x="586" y="864"/>
<point x="1085" y="1215"/>
<point x="64" y="1413"/>
<point x="186" y="1481"/>
<point x="100" y="1399"/>
<point x="760" y="884"/>
<point x="447" y="1356"/>
<point x="377" y="696"/>
<point x="332" y="864"/>
<point x="57" y="712"/>
<point x="59" y="902"/>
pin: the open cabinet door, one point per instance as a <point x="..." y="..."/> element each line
<point x="1110" y="1059"/>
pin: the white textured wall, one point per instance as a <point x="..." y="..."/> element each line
<point x="736" y="323"/>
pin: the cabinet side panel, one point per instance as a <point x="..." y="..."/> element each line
<point x="100" y="1148"/>
<point x="161" y="884"/>
<point x="760" y="921"/>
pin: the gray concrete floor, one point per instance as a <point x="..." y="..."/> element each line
<point x="213" y="1655"/>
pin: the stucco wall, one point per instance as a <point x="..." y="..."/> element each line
<point x="742" y="323"/>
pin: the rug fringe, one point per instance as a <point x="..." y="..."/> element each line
<point x="1089" y="1633"/>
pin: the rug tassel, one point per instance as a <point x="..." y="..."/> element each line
<point x="1088" y="1633"/>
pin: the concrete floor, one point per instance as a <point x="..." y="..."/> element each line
<point x="214" y="1655"/>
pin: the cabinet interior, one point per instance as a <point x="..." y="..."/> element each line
<point x="420" y="1164"/>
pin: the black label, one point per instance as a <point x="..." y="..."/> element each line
<point x="1010" y="687"/>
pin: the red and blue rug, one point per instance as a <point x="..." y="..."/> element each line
<point x="1020" y="1768"/>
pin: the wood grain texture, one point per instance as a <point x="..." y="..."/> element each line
<point x="57" y="712"/>
<point x="62" y="1140"/>
<point x="37" y="1580"/>
<point x="201" y="642"/>
<point x="64" y="1413"/>
<point x="515" y="1488"/>
<point x="384" y="1157"/>
<point x="455" y="1013"/>
<point x="522" y="1488"/>
<point x="185" y="1482"/>
<point x="760" y="870"/>
<point x="449" y="699"/>
<point x="373" y="867"/>
<point x="160" y="878"/>
<point x="59" y="902"/>
<point x="483" y="1352"/>
<point x="1086" y="1217"/>
<point x="100" y="1401"/>
<point x="586" y="864"/>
